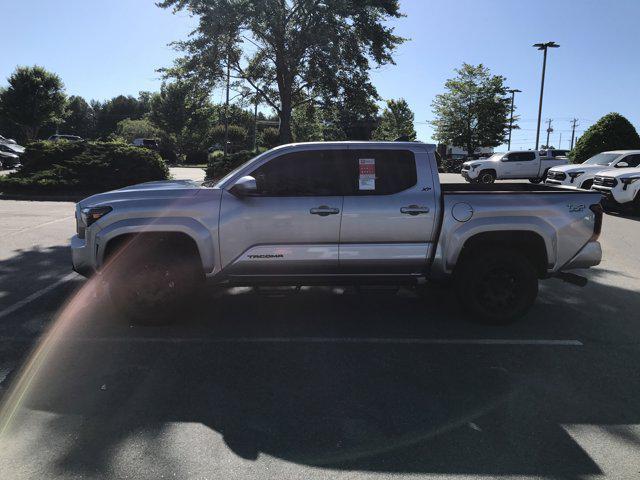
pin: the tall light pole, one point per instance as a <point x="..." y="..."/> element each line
<point x="543" y="47"/>
<point x="513" y="92"/>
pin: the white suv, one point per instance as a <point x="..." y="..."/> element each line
<point x="619" y="188"/>
<point x="581" y="175"/>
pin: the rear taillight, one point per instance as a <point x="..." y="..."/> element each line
<point x="596" y="208"/>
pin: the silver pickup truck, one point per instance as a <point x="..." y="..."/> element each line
<point x="336" y="213"/>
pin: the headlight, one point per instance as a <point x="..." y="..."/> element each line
<point x="473" y="167"/>
<point x="91" y="215"/>
<point x="574" y="175"/>
<point x="628" y="181"/>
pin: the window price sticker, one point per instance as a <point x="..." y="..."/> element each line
<point x="367" y="170"/>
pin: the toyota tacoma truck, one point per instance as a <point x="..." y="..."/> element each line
<point x="523" y="164"/>
<point x="581" y="175"/>
<point x="620" y="189"/>
<point x="336" y="213"/>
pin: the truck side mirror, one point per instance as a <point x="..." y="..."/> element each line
<point x="622" y="165"/>
<point x="244" y="186"/>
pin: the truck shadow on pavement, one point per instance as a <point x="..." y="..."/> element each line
<point x="338" y="381"/>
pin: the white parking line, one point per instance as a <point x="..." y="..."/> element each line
<point x="36" y="295"/>
<point x="346" y="340"/>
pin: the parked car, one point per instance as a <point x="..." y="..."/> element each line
<point x="620" y="189"/>
<point x="7" y="140"/>
<point x="524" y="164"/>
<point x="68" y="138"/>
<point x="12" y="148"/>
<point x="146" y="143"/>
<point x="347" y="212"/>
<point x="581" y="175"/>
<point x="9" y="160"/>
<point x="554" y="153"/>
<point x="10" y="155"/>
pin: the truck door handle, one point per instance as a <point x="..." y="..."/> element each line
<point x="323" y="211"/>
<point x="414" y="210"/>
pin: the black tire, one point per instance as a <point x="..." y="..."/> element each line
<point x="587" y="185"/>
<point x="636" y="205"/>
<point x="486" y="177"/>
<point x="496" y="287"/>
<point x="155" y="280"/>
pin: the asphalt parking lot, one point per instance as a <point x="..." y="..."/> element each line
<point x="324" y="383"/>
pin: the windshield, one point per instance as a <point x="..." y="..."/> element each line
<point x="602" y="159"/>
<point x="495" y="156"/>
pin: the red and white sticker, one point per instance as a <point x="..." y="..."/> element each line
<point x="367" y="170"/>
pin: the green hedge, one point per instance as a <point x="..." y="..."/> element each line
<point x="220" y="165"/>
<point x="64" y="167"/>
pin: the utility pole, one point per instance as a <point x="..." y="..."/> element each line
<point x="255" y="124"/>
<point x="226" y="111"/>
<point x="560" y="141"/>
<point x="543" y="47"/>
<point x="513" y="92"/>
<point x="549" y="130"/>
<point x="574" y="124"/>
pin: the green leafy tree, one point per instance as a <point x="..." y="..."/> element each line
<point x="179" y="104"/>
<point x="269" y="137"/>
<point x="128" y="129"/>
<point x="288" y="51"/>
<point x="307" y="125"/>
<point x="611" y="132"/>
<point x="396" y="121"/>
<point x="110" y="112"/>
<point x="33" y="99"/>
<point x="237" y="136"/>
<point x="474" y="110"/>
<point x="80" y="119"/>
<point x="183" y="110"/>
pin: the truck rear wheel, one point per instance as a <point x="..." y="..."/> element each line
<point x="153" y="282"/>
<point x="497" y="286"/>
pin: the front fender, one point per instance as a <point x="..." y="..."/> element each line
<point x="190" y="227"/>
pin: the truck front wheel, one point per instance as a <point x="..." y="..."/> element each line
<point x="153" y="282"/>
<point x="486" y="176"/>
<point x="496" y="286"/>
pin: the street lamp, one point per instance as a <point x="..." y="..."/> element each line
<point x="513" y="92"/>
<point x="543" y="47"/>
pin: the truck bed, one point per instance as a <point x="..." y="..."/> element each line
<point x="514" y="187"/>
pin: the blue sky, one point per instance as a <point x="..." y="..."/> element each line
<point x="102" y="49"/>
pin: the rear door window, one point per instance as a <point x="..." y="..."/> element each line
<point x="520" y="157"/>
<point x="382" y="172"/>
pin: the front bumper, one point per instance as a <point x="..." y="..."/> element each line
<point x="561" y="183"/>
<point x="589" y="256"/>
<point x="469" y="175"/>
<point x="80" y="257"/>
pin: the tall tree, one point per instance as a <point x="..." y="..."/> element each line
<point x="179" y="103"/>
<point x="34" y="98"/>
<point x="110" y="112"/>
<point x="80" y="119"/>
<point x="396" y="121"/>
<point x="474" y="111"/>
<point x="611" y="132"/>
<point x="289" y="51"/>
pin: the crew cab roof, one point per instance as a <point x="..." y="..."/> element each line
<point x="358" y="143"/>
